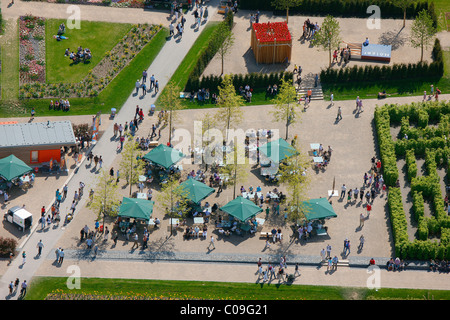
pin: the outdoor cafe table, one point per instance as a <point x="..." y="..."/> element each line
<point x="25" y="179"/>
<point x="140" y="195"/>
<point x="142" y="178"/>
<point x="174" y="221"/>
<point x="151" y="222"/>
<point x="269" y="171"/>
<point x="318" y="160"/>
<point x="199" y="220"/>
<point x="248" y="195"/>
<point x="260" y="221"/>
<point x="315" y="146"/>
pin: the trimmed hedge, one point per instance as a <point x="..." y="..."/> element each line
<point x="254" y="80"/>
<point x="436" y="152"/>
<point x="367" y="73"/>
<point x="341" y="8"/>
<point x="207" y="55"/>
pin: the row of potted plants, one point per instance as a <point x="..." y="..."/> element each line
<point x="102" y="74"/>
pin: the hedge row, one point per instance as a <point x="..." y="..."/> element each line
<point x="386" y="145"/>
<point x="398" y="71"/>
<point x="442" y="130"/>
<point x="423" y="188"/>
<point x="411" y="164"/>
<point x="342" y="8"/>
<point x="207" y="54"/>
<point x="254" y="80"/>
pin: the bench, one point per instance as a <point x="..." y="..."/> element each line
<point x="264" y="235"/>
<point x="153" y="144"/>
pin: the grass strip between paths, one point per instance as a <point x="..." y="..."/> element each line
<point x="40" y="287"/>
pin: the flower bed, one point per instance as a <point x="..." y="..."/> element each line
<point x="272" y="31"/>
<point x="31" y="49"/>
<point x="102" y="74"/>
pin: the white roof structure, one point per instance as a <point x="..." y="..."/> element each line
<point x="56" y="133"/>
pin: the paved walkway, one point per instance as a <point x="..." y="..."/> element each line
<point x="162" y="67"/>
<point x="209" y="265"/>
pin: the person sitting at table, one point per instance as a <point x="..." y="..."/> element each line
<point x="187" y="233"/>
<point x="205" y="230"/>
<point x="258" y="189"/>
<point x="214" y="207"/>
<point x="157" y="222"/>
<point x="242" y="189"/>
<point x="250" y="189"/>
<point x="252" y="229"/>
<point x="224" y="232"/>
<point x="196" y="231"/>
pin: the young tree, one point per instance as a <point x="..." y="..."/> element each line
<point x="236" y="170"/>
<point x="225" y="42"/>
<point x="404" y="5"/>
<point x="131" y="165"/>
<point x="229" y="112"/>
<point x="286" y="108"/>
<point x="286" y="5"/>
<point x="170" y="102"/>
<point x="422" y="31"/>
<point x="293" y="175"/>
<point x="106" y="197"/>
<point x="172" y="199"/>
<point x="328" y="36"/>
<point x="208" y="123"/>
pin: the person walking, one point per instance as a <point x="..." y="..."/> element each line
<point x="339" y="114"/>
<point x="23" y="290"/>
<point x="100" y="162"/>
<point x="361" y="242"/>
<point x="136" y="238"/>
<point x="297" y="271"/>
<point x="96" y="162"/>
<point x="323" y="254"/>
<point x="39" y="245"/>
<point x="211" y="243"/>
<point x="24" y="258"/>
<point x="329" y="264"/>
<point x="11" y="288"/>
<point x="343" y="190"/>
<point x="361" y="220"/>
<point x="144" y="76"/>
<point x="328" y="251"/>
<point x="61" y="256"/>
<point x="335" y="262"/>
<point x="156" y="82"/>
<point x="137" y="85"/>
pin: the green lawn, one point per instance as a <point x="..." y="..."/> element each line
<point x="41" y="287"/>
<point x="99" y="37"/>
<point x="114" y="95"/>
<point x="10" y="61"/>
<point x="181" y="75"/>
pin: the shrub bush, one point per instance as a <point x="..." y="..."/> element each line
<point x="7" y="245"/>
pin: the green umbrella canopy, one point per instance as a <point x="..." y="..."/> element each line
<point x="12" y="167"/>
<point x="318" y="209"/>
<point x="277" y="150"/>
<point x="164" y="156"/>
<point x="136" y="208"/>
<point x="195" y="190"/>
<point x="241" y="208"/>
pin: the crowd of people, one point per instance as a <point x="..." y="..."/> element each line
<point x="61" y="104"/>
<point x="81" y="54"/>
<point x="309" y="29"/>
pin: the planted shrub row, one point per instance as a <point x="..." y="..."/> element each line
<point x="424" y="188"/>
<point x="254" y="80"/>
<point x="342" y="8"/>
<point x="398" y="71"/>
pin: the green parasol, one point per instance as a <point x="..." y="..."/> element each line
<point x="12" y="167"/>
<point x="316" y="209"/>
<point x="195" y="190"/>
<point x="140" y="209"/>
<point x="277" y="150"/>
<point x="241" y="208"/>
<point x="164" y="156"/>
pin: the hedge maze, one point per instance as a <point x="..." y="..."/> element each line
<point x="424" y="134"/>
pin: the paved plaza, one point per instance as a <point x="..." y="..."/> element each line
<point x="234" y="258"/>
